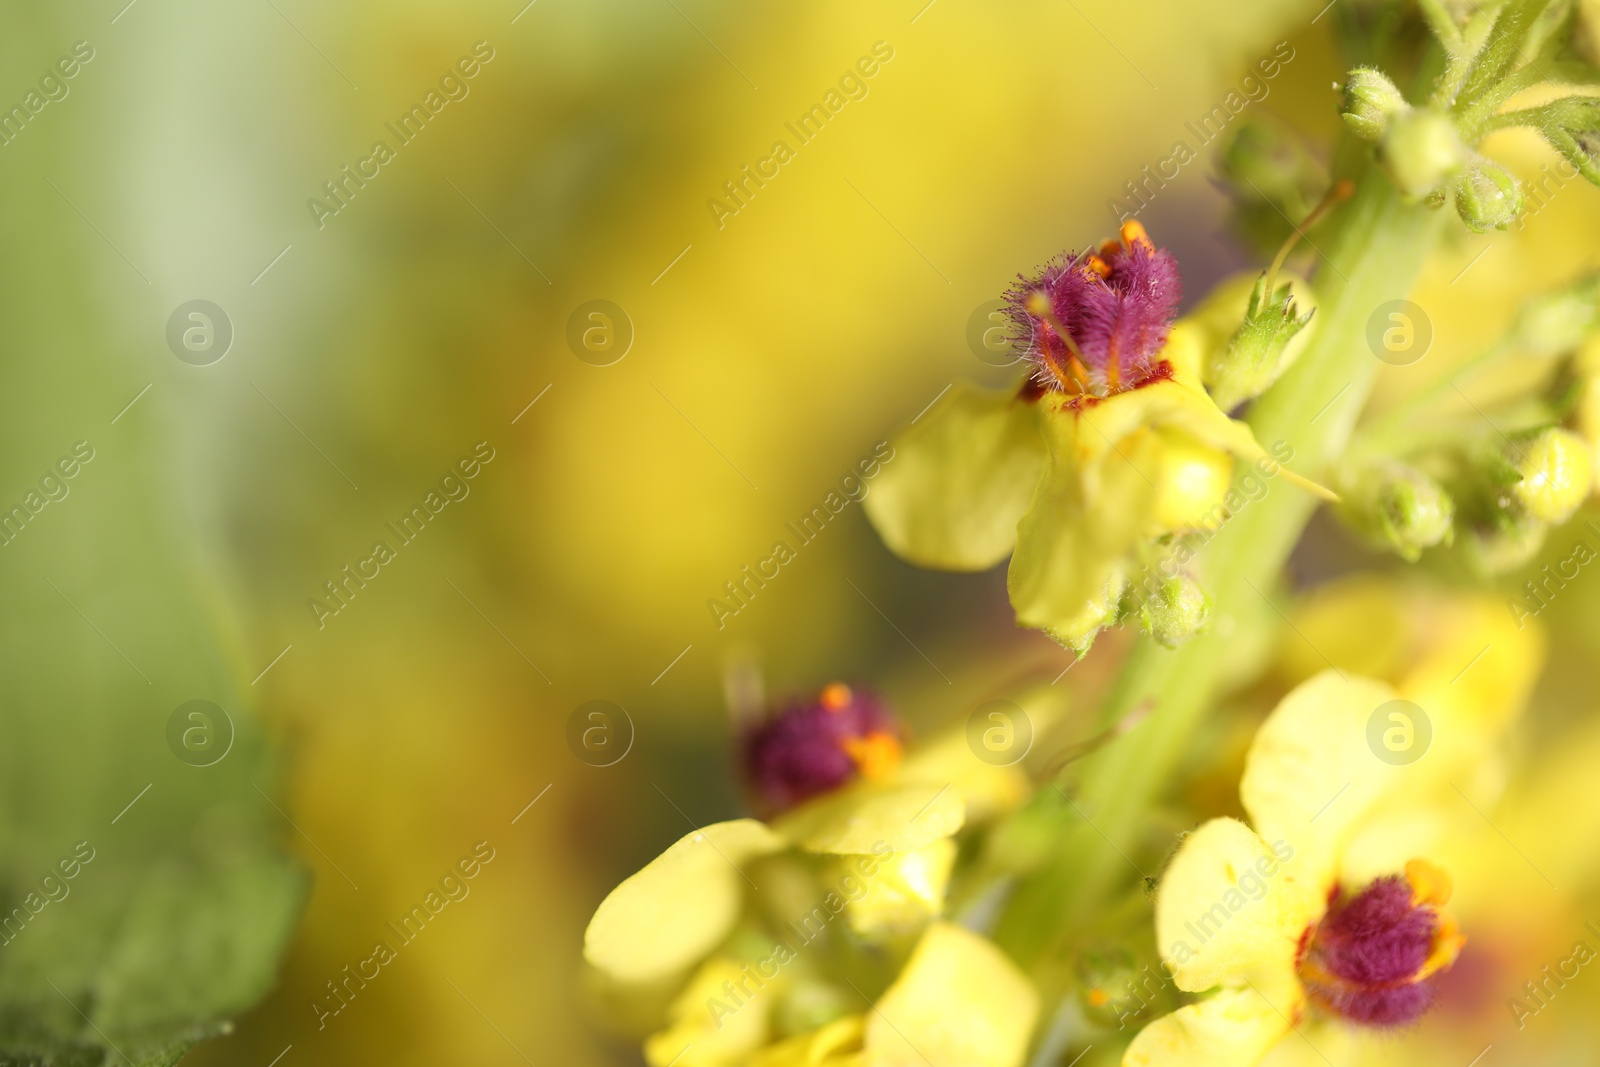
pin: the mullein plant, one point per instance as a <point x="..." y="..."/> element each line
<point x="1139" y="473"/>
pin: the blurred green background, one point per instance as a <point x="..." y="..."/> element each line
<point x="372" y="352"/>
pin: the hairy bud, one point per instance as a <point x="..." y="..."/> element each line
<point x="1371" y="102"/>
<point x="1398" y="507"/>
<point x="1421" y="151"/>
<point x="1265" y="344"/>
<point x="1176" y="610"/>
<point x="1488" y="197"/>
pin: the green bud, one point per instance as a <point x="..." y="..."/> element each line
<point x="1421" y="151"/>
<point x="1371" y="102"/>
<point x="1554" y="474"/>
<point x="1263" y="346"/>
<point x="1114" y="991"/>
<point x="1265" y="158"/>
<point x="1500" y="549"/>
<point x="1175" y="610"/>
<point x="1398" y="507"/>
<point x="1488" y="197"/>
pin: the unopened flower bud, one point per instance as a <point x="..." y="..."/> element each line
<point x="1116" y="992"/>
<point x="1499" y="549"/>
<point x="1554" y="473"/>
<point x="1175" y="610"/>
<point x="1263" y="158"/>
<point x="1398" y="507"/>
<point x="1488" y="197"/>
<point x="1421" y="151"/>
<point x="1264" y="345"/>
<point x="1371" y="102"/>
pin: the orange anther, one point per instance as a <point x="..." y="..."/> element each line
<point x="1096" y="265"/>
<point x="1133" y="234"/>
<point x="836" y="697"/>
<point x="1429" y="884"/>
<point x="875" y="755"/>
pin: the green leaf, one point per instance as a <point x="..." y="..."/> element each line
<point x="961" y="477"/>
<point x="144" y="899"/>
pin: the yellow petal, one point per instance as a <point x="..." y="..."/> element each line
<point x="1235" y="1028"/>
<point x="1230" y="911"/>
<point x="1096" y="501"/>
<point x="706" y="1027"/>
<point x="907" y="890"/>
<point x="868" y="818"/>
<point x="1310" y="777"/>
<point x="1186" y="350"/>
<point x="838" y="1044"/>
<point x="679" y="906"/>
<point x="1102" y="492"/>
<point x="959" y="1003"/>
<point x="960" y="479"/>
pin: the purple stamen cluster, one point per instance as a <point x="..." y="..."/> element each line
<point x="812" y="747"/>
<point x="1117" y="305"/>
<point x="1364" y="959"/>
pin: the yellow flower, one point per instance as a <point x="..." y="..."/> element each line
<point x="1321" y="911"/>
<point x="729" y="914"/>
<point x="1071" y="486"/>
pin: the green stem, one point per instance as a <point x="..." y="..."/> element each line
<point x="1372" y="257"/>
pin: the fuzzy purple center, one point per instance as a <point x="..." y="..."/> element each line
<point x="805" y="749"/>
<point x="1365" y="956"/>
<point x="1117" y="306"/>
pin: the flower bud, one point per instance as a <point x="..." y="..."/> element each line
<point x="1505" y="547"/>
<point x="1175" y="610"/>
<point x="1115" y="992"/>
<point x="1554" y="474"/>
<point x="1398" y="507"/>
<point x="1263" y="158"/>
<point x="1421" y="151"/>
<point x="1264" y="345"/>
<point x="1488" y="197"/>
<point x="1371" y="102"/>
